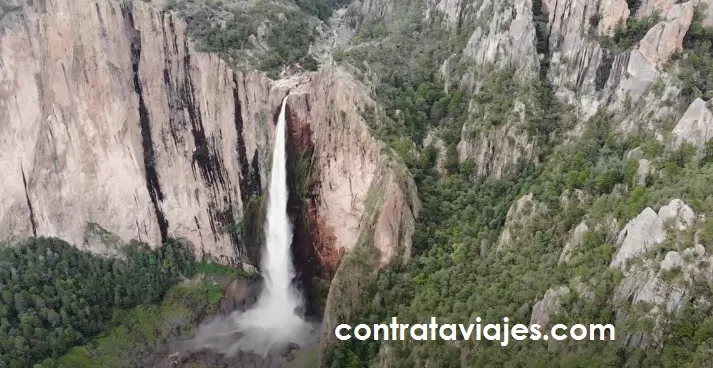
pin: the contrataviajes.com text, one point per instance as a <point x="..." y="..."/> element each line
<point x="502" y="332"/>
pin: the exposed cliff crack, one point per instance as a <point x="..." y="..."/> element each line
<point x="604" y="70"/>
<point x="152" y="182"/>
<point x="204" y="155"/>
<point x="543" y="32"/>
<point x="244" y="180"/>
<point x="29" y="203"/>
<point x="168" y="83"/>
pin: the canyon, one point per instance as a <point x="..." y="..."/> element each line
<point x="116" y="130"/>
<point x="113" y="122"/>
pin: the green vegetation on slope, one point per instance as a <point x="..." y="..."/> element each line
<point x="137" y="334"/>
<point x="54" y="296"/>
<point x="261" y="35"/>
<point x="696" y="65"/>
<point x="457" y="272"/>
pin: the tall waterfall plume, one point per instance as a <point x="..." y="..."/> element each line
<point x="274" y="320"/>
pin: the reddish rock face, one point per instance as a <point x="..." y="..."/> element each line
<point x="316" y="240"/>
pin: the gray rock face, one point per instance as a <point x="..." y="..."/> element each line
<point x="648" y="283"/>
<point x="639" y="235"/>
<point x="589" y="76"/>
<point x="666" y="38"/>
<point x="671" y="261"/>
<point x="649" y="228"/>
<point x="662" y="285"/>
<point x="496" y="150"/>
<point x="695" y="127"/>
<point x="507" y="36"/>
<point x="645" y="285"/>
<point x="678" y="213"/>
<point x="549" y="305"/>
<point x="571" y="247"/>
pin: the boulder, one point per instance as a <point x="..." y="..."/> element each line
<point x="679" y="213"/>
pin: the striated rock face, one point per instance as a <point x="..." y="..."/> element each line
<point x="507" y="36"/>
<point x="580" y="67"/>
<point x="590" y="76"/>
<point x="695" y="127"/>
<point x="649" y="228"/>
<point x="111" y="118"/>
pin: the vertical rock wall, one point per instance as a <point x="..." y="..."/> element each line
<point x="110" y="117"/>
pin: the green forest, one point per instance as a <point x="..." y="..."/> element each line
<point x="55" y="296"/>
<point x="457" y="272"/>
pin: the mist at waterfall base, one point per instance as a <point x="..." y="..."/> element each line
<point x="273" y="322"/>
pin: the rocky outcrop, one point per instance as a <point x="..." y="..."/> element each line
<point x="507" y="36"/>
<point x="649" y="229"/>
<point x="677" y="215"/>
<point x="581" y="71"/>
<point x="547" y="306"/>
<point x="612" y="13"/>
<point x="666" y="38"/>
<point x="590" y="76"/>
<point x="574" y="243"/>
<point x="452" y="10"/>
<point x="695" y="127"/>
<point x="520" y="215"/>
<point x="366" y="197"/>
<point x="347" y="163"/>
<point x="497" y="150"/>
<point x="662" y="286"/>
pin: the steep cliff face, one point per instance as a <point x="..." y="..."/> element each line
<point x="589" y="74"/>
<point x="111" y="118"/>
<point x="363" y="202"/>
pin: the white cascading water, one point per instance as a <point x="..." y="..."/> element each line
<point x="275" y="314"/>
<point x="274" y="320"/>
<point x="278" y="298"/>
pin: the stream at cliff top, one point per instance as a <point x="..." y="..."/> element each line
<point x="273" y="325"/>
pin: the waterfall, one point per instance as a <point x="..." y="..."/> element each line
<point x="274" y="320"/>
<point x="278" y="295"/>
